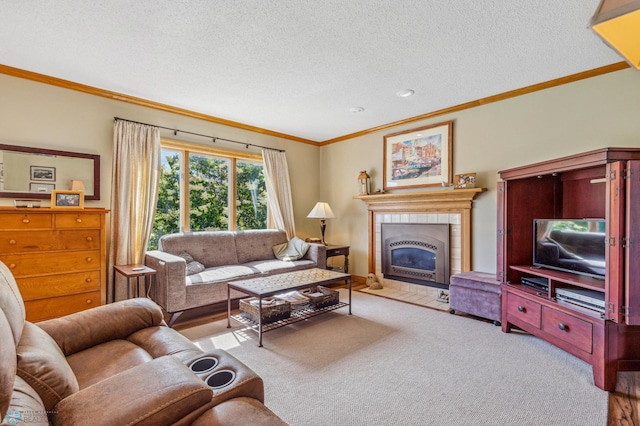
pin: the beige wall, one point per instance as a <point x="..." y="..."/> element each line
<point x="598" y="112"/>
<point x="39" y="115"/>
<point x="589" y="114"/>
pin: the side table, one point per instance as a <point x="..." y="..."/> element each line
<point x="333" y="251"/>
<point x="137" y="272"/>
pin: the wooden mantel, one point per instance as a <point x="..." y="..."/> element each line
<point x="437" y="201"/>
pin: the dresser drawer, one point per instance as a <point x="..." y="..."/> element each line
<point x="521" y="310"/>
<point x="26" y="221"/>
<point x="38" y="310"/>
<point x="29" y="241"/>
<point x="77" y="220"/>
<point x="31" y="264"/>
<point x="568" y="328"/>
<point x="58" y="285"/>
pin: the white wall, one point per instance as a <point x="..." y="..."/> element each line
<point x="599" y="112"/>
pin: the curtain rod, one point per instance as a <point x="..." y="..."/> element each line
<point x="214" y="138"/>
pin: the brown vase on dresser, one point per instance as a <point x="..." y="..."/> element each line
<point x="57" y="256"/>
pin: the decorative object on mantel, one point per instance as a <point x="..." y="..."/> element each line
<point x="418" y="158"/>
<point x="321" y="211"/>
<point x="365" y="182"/>
<point x="26" y="204"/>
<point x="67" y="199"/>
<point x="466" y="180"/>
<point x="76" y="185"/>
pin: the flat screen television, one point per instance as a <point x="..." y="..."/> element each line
<point x="571" y="245"/>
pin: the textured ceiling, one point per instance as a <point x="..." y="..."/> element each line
<point x="298" y="66"/>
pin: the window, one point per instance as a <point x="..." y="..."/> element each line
<point x="225" y="190"/>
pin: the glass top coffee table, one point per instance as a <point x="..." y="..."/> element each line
<point x="263" y="287"/>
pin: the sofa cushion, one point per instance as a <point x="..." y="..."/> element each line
<point x="220" y="273"/>
<point x="280" y="266"/>
<point x="294" y="249"/>
<point x="257" y="244"/>
<point x="211" y="248"/>
<point x="193" y="266"/>
<point x="42" y="364"/>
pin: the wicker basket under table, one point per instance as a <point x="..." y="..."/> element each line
<point x="329" y="297"/>
<point x="277" y="311"/>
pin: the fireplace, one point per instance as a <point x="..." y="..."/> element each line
<point x="416" y="252"/>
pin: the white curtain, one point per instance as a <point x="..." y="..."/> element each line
<point x="276" y="173"/>
<point x="134" y="192"/>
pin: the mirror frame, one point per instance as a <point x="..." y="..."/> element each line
<point x="29" y="150"/>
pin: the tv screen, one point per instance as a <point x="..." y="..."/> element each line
<point x="572" y="245"/>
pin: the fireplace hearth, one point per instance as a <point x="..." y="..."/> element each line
<point x="417" y="253"/>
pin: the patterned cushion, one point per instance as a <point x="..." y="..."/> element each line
<point x="193" y="266"/>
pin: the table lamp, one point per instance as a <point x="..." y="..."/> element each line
<point x="321" y="211"/>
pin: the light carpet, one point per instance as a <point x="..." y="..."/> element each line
<point x="393" y="363"/>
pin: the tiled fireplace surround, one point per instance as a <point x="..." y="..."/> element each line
<point x="433" y="207"/>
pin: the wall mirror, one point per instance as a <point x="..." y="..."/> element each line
<point x="27" y="172"/>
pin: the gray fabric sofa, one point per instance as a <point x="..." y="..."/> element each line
<point x="225" y="256"/>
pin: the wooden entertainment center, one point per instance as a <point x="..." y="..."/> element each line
<point x="603" y="183"/>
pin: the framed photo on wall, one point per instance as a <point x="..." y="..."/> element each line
<point x="42" y="188"/>
<point x="67" y="199"/>
<point x="418" y="158"/>
<point x="43" y="173"/>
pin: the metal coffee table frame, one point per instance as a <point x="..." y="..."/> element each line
<point x="281" y="283"/>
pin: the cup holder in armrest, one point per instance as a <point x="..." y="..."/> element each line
<point x="203" y="365"/>
<point x="220" y="379"/>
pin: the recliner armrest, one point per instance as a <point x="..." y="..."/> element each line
<point x="84" y="329"/>
<point x="159" y="392"/>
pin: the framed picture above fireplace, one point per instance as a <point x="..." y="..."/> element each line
<point x="418" y="158"/>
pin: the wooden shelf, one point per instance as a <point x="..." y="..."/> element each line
<point x="582" y="281"/>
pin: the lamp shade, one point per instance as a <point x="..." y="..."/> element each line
<point x="617" y="22"/>
<point x="321" y="211"/>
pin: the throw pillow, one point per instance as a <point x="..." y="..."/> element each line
<point x="292" y="250"/>
<point x="193" y="266"/>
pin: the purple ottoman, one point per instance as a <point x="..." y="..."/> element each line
<point x="476" y="293"/>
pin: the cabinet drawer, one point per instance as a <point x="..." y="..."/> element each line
<point x="29" y="241"/>
<point x="38" y="310"/>
<point x="338" y="252"/>
<point x="26" y="221"/>
<point x="77" y="220"/>
<point x="572" y="330"/>
<point x="31" y="264"/>
<point x="521" y="310"/>
<point x="58" y="285"/>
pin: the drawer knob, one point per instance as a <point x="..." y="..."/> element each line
<point x="563" y="327"/>
<point x="25" y="220"/>
<point x="88" y="280"/>
<point x="13" y="265"/>
<point x="89" y="301"/>
<point x="89" y="259"/>
<point x="521" y="309"/>
<point x="79" y="220"/>
<point x="89" y="238"/>
<point x="12" y="241"/>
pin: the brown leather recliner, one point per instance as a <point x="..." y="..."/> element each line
<point x="116" y="364"/>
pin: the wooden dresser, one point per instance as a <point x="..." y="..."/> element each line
<point x="58" y="258"/>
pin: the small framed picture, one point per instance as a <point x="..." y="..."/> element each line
<point x="42" y="188"/>
<point x="466" y="180"/>
<point x="67" y="199"/>
<point x="43" y="173"/>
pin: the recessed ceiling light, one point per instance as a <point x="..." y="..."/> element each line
<point x="356" y="110"/>
<point x="405" y="93"/>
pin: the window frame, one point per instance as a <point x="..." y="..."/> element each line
<point x="185" y="149"/>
